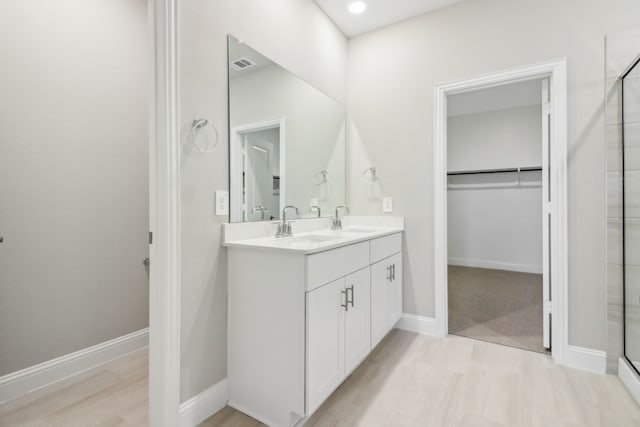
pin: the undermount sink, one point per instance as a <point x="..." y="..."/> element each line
<point x="358" y="230"/>
<point x="310" y="238"/>
<point x="346" y="232"/>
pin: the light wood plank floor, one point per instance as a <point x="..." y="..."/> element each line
<point x="415" y="380"/>
<point x="409" y="380"/>
<point x="114" y="394"/>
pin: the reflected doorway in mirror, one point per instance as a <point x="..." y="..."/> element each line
<point x="257" y="151"/>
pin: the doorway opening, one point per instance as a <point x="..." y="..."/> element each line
<point x="500" y="208"/>
<point x="258" y="153"/>
<point x="496" y="184"/>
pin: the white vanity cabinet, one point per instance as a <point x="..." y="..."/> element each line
<point x="338" y="333"/>
<point x="386" y="296"/>
<point x="300" y="321"/>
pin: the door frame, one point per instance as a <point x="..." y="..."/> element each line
<point x="237" y="133"/>
<point x="164" y="216"/>
<point x="556" y="71"/>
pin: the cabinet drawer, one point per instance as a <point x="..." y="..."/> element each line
<point x="386" y="246"/>
<point x="330" y="265"/>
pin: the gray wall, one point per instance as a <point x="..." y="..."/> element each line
<point x="392" y="73"/>
<point x="294" y="34"/>
<point x="73" y="176"/>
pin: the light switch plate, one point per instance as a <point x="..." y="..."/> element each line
<point x="222" y="202"/>
<point x="387" y="204"/>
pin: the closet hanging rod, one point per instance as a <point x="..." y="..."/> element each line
<point x="505" y="170"/>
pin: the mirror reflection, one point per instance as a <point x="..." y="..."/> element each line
<point x="286" y="141"/>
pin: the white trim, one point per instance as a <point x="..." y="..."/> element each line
<point x="164" y="219"/>
<point x="202" y="406"/>
<point x="478" y="263"/>
<point x="234" y="159"/>
<point x="586" y="358"/>
<point x="35" y="377"/>
<point x="629" y="378"/>
<point x="556" y="71"/>
<point x="418" y="324"/>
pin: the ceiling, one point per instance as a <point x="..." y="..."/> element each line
<point x="495" y="98"/>
<point x="379" y="13"/>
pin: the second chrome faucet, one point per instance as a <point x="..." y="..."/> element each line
<point x="337" y="222"/>
<point x="284" y="227"/>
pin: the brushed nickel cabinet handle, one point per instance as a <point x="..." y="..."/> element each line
<point x="346" y="301"/>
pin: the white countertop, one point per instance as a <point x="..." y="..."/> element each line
<point x="322" y="238"/>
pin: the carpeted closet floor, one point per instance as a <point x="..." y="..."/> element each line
<point x="503" y="307"/>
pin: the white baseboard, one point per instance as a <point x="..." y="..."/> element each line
<point x="35" y="377"/>
<point x="629" y="378"/>
<point x="586" y="358"/>
<point x="202" y="406"/>
<point x="522" y="268"/>
<point x="419" y="324"/>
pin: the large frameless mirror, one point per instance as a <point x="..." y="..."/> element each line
<point x="286" y="141"/>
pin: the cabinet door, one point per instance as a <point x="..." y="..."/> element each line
<point x="395" y="289"/>
<point x="325" y="342"/>
<point x="357" y="319"/>
<point x="380" y="280"/>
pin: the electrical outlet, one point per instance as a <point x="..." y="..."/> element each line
<point x="387" y="204"/>
<point x="222" y="202"/>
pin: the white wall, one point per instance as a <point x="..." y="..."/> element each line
<point x="73" y="176"/>
<point x="506" y="138"/>
<point x="392" y="73"/>
<point x="495" y="227"/>
<point x="294" y="34"/>
<point x="315" y="132"/>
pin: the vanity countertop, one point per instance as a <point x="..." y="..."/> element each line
<point x="316" y="240"/>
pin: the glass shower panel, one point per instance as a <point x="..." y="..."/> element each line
<point x="631" y="204"/>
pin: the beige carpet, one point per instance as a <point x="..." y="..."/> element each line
<point x="503" y="307"/>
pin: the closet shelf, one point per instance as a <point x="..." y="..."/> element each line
<point x="505" y="170"/>
<point x="488" y="183"/>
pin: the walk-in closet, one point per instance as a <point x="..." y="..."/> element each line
<point x="496" y="146"/>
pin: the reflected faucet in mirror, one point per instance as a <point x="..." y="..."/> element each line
<point x="337" y="222"/>
<point x="317" y="209"/>
<point x="284" y="227"/>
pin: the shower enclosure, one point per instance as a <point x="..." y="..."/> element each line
<point x="630" y="110"/>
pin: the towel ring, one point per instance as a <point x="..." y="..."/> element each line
<point x="196" y="126"/>
<point x="320" y="178"/>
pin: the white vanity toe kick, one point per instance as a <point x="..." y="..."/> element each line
<point x="313" y="242"/>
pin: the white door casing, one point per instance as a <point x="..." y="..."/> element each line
<point x="556" y="72"/>
<point x="546" y="216"/>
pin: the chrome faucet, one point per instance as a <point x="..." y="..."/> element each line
<point x="315" y="208"/>
<point x="337" y="222"/>
<point x="260" y="209"/>
<point x="284" y="227"/>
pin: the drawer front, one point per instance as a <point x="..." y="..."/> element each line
<point x="386" y="246"/>
<point x="330" y="265"/>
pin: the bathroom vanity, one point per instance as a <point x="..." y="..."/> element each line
<point x="304" y="311"/>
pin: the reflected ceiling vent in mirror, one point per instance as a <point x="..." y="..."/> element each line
<point x="242" y="64"/>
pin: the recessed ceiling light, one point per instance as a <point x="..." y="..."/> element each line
<point x="357" y="7"/>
